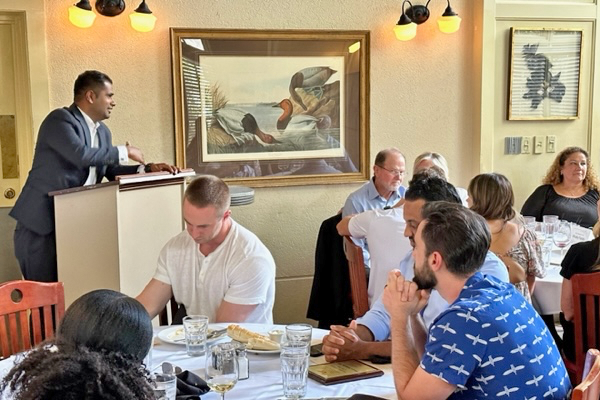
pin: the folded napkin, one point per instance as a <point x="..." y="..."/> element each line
<point x="190" y="386"/>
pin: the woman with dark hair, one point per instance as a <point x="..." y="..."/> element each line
<point x="569" y="190"/>
<point x="492" y="197"/>
<point x="581" y="258"/>
<point x="97" y="354"/>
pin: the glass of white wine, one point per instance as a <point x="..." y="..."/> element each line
<point x="221" y="368"/>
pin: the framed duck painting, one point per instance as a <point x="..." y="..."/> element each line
<point x="272" y="108"/>
<point x="545" y="74"/>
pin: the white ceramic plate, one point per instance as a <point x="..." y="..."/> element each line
<point x="176" y="335"/>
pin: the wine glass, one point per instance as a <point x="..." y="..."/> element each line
<point x="562" y="236"/>
<point x="221" y="368"/>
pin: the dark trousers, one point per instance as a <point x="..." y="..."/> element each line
<point x="36" y="254"/>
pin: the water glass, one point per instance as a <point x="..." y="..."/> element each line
<point x="294" y="369"/>
<point x="539" y="229"/>
<point x="547" y="253"/>
<point x="562" y="236"/>
<point x="222" y="370"/>
<point x="196" y="328"/>
<point x="299" y="333"/>
<point x="164" y="386"/>
<point x="528" y="221"/>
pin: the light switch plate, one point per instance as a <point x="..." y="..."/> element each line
<point x="550" y="144"/>
<point x="526" y="145"/>
<point x="538" y="144"/>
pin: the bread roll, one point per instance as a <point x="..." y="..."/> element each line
<point x="252" y="339"/>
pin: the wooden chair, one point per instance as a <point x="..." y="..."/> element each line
<point x="29" y="313"/>
<point x="589" y="388"/>
<point x="163" y="316"/>
<point x="358" y="277"/>
<point x="586" y="318"/>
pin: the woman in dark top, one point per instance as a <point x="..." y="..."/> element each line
<point x="581" y="258"/>
<point x="570" y="190"/>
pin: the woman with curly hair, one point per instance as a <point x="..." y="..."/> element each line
<point x="492" y="197"/>
<point x="97" y="354"/>
<point x="569" y="190"/>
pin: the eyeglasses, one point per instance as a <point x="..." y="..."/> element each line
<point x="396" y="172"/>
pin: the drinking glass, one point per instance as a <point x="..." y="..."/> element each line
<point x="164" y="386"/>
<point x="299" y="333"/>
<point x="539" y="228"/>
<point x="294" y="369"/>
<point x="562" y="236"/>
<point x="222" y="368"/>
<point x="528" y="221"/>
<point x="196" y="328"/>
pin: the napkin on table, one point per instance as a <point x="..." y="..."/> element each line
<point x="190" y="386"/>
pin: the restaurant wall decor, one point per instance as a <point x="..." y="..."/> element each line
<point x="545" y="74"/>
<point x="272" y="108"/>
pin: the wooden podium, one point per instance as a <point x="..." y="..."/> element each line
<point x="109" y="235"/>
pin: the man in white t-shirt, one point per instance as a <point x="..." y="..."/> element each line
<point x="384" y="231"/>
<point x="215" y="267"/>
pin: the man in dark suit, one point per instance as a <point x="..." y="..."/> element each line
<point x="73" y="149"/>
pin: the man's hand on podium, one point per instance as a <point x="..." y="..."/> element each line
<point x="157" y="167"/>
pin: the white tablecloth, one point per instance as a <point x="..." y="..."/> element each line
<point x="265" y="373"/>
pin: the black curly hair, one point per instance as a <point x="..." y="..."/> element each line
<point x="59" y="371"/>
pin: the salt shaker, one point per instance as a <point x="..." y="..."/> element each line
<point x="243" y="363"/>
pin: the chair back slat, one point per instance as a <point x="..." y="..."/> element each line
<point x="586" y="317"/>
<point x="22" y="324"/>
<point x="163" y="316"/>
<point x="589" y="388"/>
<point x="358" y="277"/>
<point x="36" y="325"/>
<point x="22" y="319"/>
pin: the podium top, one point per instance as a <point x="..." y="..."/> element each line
<point x="132" y="181"/>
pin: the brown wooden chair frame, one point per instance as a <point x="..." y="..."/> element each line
<point x="586" y="318"/>
<point x="589" y="388"/>
<point x="163" y="316"/>
<point x="29" y="313"/>
<point x="358" y="277"/>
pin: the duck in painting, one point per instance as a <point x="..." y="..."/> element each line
<point x="325" y="105"/>
<point x="312" y="78"/>
<point x="241" y="126"/>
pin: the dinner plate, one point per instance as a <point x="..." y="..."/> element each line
<point x="176" y="335"/>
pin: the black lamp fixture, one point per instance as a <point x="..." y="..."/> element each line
<point x="81" y="14"/>
<point x="406" y="28"/>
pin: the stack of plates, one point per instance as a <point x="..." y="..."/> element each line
<point x="241" y="195"/>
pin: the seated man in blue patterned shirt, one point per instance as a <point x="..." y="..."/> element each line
<point x="490" y="342"/>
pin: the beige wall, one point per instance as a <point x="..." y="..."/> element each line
<point x="420" y="100"/>
<point x="527" y="170"/>
<point x="423" y="97"/>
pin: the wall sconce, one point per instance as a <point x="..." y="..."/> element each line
<point x="406" y="28"/>
<point x="81" y="14"/>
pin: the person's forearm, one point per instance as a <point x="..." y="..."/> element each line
<point x="364" y="333"/>
<point x="419" y="333"/>
<point x="404" y="356"/>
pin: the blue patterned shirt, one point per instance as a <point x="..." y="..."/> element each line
<point x="491" y="343"/>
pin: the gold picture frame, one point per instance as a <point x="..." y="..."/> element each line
<point x="272" y="107"/>
<point x="544" y="73"/>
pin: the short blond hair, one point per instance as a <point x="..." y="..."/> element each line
<point x="437" y="159"/>
<point x="208" y="190"/>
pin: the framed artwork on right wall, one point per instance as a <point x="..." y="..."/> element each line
<point x="544" y="74"/>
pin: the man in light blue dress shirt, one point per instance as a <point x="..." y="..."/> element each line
<point x="382" y="191"/>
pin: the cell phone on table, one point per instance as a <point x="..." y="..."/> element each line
<point x="316" y="350"/>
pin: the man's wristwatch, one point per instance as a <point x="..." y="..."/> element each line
<point x="148" y="167"/>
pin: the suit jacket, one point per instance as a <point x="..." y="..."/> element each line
<point x="62" y="158"/>
<point x="330" y="301"/>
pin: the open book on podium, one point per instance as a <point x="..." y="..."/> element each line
<point x="110" y="235"/>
